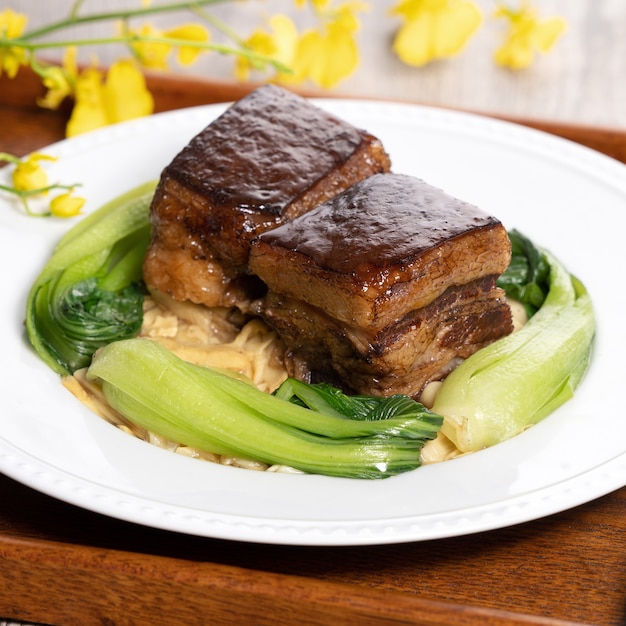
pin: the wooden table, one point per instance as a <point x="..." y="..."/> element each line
<point x="63" y="565"/>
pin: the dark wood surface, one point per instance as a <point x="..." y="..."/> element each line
<point x="63" y="565"/>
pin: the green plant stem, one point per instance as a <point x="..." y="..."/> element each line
<point x="133" y="39"/>
<point x="9" y="158"/>
<point x="26" y="193"/>
<point x="74" y="19"/>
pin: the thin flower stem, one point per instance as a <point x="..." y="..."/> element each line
<point x="75" y="19"/>
<point x="26" y="193"/>
<point x="31" y="213"/>
<point x="9" y="158"/>
<point x="131" y="39"/>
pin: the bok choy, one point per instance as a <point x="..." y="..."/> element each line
<point x="527" y="278"/>
<point x="85" y="308"/>
<point x="224" y="414"/>
<point x="518" y="380"/>
<point x="89" y="293"/>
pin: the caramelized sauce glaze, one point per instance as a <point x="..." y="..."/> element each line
<point x="384" y="222"/>
<point x="264" y="151"/>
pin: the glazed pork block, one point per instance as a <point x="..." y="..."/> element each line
<point x="386" y="286"/>
<point x="268" y="158"/>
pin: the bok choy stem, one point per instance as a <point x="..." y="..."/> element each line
<point x="518" y="380"/>
<point x="89" y="293"/>
<point x="210" y="410"/>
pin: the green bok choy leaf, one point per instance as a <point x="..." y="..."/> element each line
<point x="518" y="380"/>
<point x="527" y="278"/>
<point x="89" y="292"/>
<point x="221" y="413"/>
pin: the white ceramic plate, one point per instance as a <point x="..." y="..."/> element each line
<point x="564" y="197"/>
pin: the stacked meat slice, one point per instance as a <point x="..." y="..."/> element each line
<point x="268" y="158"/>
<point x="377" y="282"/>
<point x="386" y="286"/>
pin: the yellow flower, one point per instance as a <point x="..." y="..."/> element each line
<point x="329" y="55"/>
<point x="189" y="32"/>
<point x="527" y="34"/>
<point x="66" y="205"/>
<point x="125" y="94"/>
<point x="89" y="111"/>
<point x="434" y="29"/>
<point x="155" y="54"/>
<point x="280" y="45"/>
<point x="122" y="96"/>
<point x="30" y="180"/>
<point x="316" y="4"/>
<point x="151" y="54"/>
<point x="12" y="25"/>
<point x="60" y="81"/>
<point x="28" y="174"/>
<point x="325" y="55"/>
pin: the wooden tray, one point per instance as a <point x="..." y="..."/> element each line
<point x="63" y="565"/>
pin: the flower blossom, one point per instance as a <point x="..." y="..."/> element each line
<point x="12" y="26"/>
<point x="30" y="180"/>
<point x="59" y="81"/>
<point x="121" y="95"/>
<point x="29" y="175"/>
<point x="99" y="100"/>
<point x="319" y="5"/>
<point x="279" y="45"/>
<point x="154" y="54"/>
<point x="187" y="55"/>
<point x="330" y="54"/>
<point x="66" y="204"/>
<point x="434" y="29"/>
<point x="526" y="35"/>
<point x="325" y="55"/>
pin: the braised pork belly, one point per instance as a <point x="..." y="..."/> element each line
<point x="269" y="158"/>
<point x="386" y="286"/>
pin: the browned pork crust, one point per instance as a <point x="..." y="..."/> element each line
<point x="386" y="285"/>
<point x="268" y="158"/>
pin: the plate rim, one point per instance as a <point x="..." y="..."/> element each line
<point x="608" y="167"/>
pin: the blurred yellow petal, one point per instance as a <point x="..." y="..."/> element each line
<point x="548" y="32"/>
<point x="259" y="42"/>
<point x="526" y="35"/>
<point x="326" y="59"/>
<point x="190" y="32"/>
<point x="285" y="38"/>
<point x="12" y="25"/>
<point x="329" y="55"/>
<point x="278" y="45"/>
<point x="308" y="53"/>
<point x="99" y="102"/>
<point x="316" y="4"/>
<point x="59" y="81"/>
<point x="150" y="54"/>
<point x="88" y="112"/>
<point x="28" y="174"/>
<point x="125" y="94"/>
<point x="514" y="56"/>
<point x="412" y="42"/>
<point x="434" y="29"/>
<point x="66" y="205"/>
